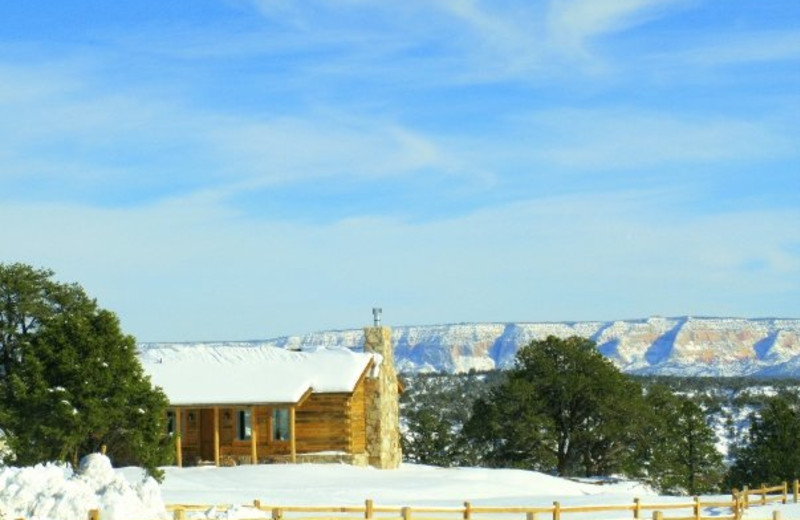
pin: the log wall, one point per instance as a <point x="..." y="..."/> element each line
<point x="323" y="422"/>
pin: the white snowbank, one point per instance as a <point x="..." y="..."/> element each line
<point x="54" y="492"/>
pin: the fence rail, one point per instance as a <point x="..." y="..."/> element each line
<point x="740" y="500"/>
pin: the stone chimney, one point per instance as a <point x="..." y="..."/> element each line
<point x="382" y="406"/>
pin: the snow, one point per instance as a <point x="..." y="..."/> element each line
<point x="235" y="375"/>
<point x="54" y="492"/>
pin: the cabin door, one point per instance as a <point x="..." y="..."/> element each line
<point x="207" y="434"/>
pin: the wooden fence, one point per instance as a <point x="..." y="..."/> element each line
<point x="740" y="500"/>
<point x="637" y="510"/>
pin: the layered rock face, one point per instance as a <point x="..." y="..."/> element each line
<point x="656" y="345"/>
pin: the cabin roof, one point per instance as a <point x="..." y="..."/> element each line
<point x="228" y="375"/>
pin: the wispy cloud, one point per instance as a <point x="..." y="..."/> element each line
<point x="572" y="24"/>
<point x="613" y="138"/>
<point x="172" y="269"/>
<point x="746" y="47"/>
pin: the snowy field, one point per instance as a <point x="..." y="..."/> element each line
<point x="53" y="492"/>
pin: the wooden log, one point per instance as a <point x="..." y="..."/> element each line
<point x="178" y="447"/>
<point x="293" y="434"/>
<point x="253" y="436"/>
<point x="216" y="436"/>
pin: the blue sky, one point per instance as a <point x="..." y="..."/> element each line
<point x="240" y="169"/>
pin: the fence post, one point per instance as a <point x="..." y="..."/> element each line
<point x="406" y="513"/>
<point x="697" y="508"/>
<point x="94" y="514"/>
<point x="257" y="504"/>
<point x="179" y="514"/>
<point x="776" y="515"/>
<point x="368" y="508"/>
<point x="637" y="508"/>
<point x="785" y="491"/>
<point x="763" y="494"/>
<point x="467" y="510"/>
<point x="795" y="489"/>
<point x="530" y="515"/>
<point x="746" y="496"/>
<point x="277" y="513"/>
<point x="658" y="515"/>
<point x="556" y="510"/>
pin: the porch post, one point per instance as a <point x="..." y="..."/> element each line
<point x="216" y="436"/>
<point x="178" y="430"/>
<point x="253" y="436"/>
<point x="292" y="444"/>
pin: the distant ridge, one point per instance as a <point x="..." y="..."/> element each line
<point x="688" y="346"/>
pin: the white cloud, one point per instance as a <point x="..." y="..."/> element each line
<point x="573" y="23"/>
<point x="741" y="48"/>
<point x="629" y="138"/>
<point x="133" y="138"/>
<point x="296" y="149"/>
<point x="185" y="270"/>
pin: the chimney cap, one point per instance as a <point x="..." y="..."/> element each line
<point x="376" y="316"/>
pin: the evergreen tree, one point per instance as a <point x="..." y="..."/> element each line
<point x="70" y="379"/>
<point x="769" y="451"/>
<point x="564" y="408"/>
<point x="677" y="451"/>
<point x="434" y="408"/>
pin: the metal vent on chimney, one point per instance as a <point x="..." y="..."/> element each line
<point x="376" y="316"/>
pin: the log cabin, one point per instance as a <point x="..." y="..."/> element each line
<point x="232" y="405"/>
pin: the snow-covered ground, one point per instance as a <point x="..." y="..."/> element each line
<point x="53" y="492"/>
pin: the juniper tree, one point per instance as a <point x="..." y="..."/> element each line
<point x="70" y="380"/>
<point x="676" y="451"/>
<point x="768" y="453"/>
<point x="564" y="408"/>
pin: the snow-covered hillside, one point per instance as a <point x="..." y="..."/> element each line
<point x="685" y="346"/>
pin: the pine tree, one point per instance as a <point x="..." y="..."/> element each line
<point x="71" y="380"/>
<point x="564" y="407"/>
<point x="677" y="448"/>
<point x="769" y="453"/>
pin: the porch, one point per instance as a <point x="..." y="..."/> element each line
<point x="226" y="435"/>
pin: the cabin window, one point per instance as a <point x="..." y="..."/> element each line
<point x="171" y="420"/>
<point x="243" y="425"/>
<point x="280" y="424"/>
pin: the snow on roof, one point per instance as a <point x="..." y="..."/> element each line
<point x="218" y="375"/>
